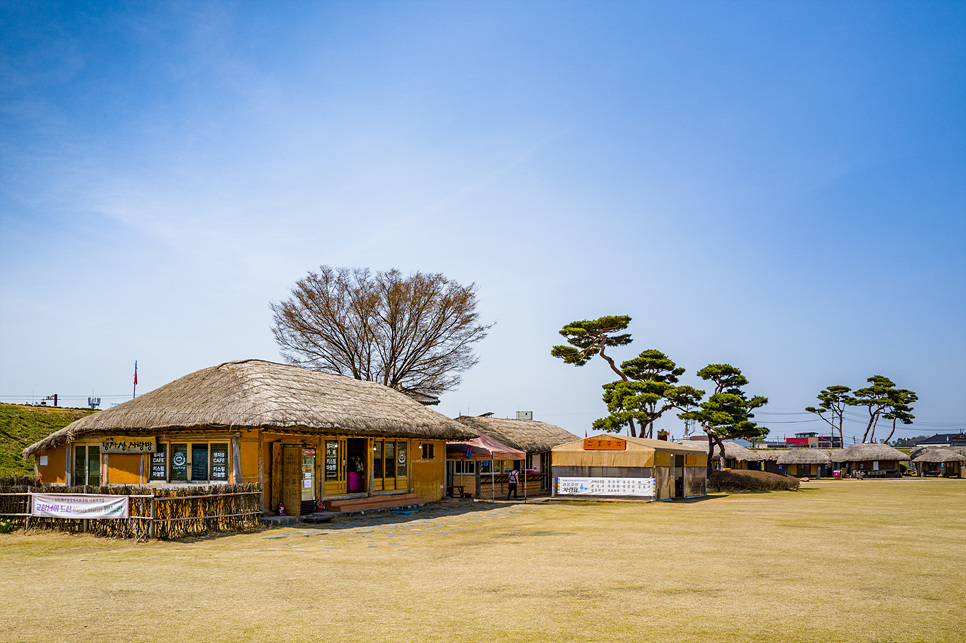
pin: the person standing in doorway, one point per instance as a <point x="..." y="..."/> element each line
<point x="512" y="481"/>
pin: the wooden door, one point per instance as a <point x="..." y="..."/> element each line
<point x="334" y="466"/>
<point x="292" y="478"/>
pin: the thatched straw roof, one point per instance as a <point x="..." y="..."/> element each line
<point x="732" y="450"/>
<point x="939" y="454"/>
<point x="918" y="451"/>
<point x="769" y="455"/>
<point x="253" y="394"/>
<point x="526" y="435"/>
<point x="836" y="455"/>
<point x="868" y="452"/>
<point x="803" y="456"/>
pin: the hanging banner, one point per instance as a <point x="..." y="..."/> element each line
<point x="52" y="505"/>
<point x="638" y="487"/>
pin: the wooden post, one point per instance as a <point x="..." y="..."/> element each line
<point x="151" y="521"/>
<point x="235" y="460"/>
<point x="261" y="469"/>
<point x="368" y="467"/>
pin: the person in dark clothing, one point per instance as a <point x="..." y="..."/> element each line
<point x="512" y="481"/>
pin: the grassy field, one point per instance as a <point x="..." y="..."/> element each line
<point x="836" y="561"/>
<point x="22" y="425"/>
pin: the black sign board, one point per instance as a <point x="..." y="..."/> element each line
<point x="219" y="462"/>
<point x="199" y="461"/>
<point x="159" y="463"/>
<point x="179" y="461"/>
<point x="331" y="460"/>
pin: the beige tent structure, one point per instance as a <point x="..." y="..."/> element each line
<point x="870" y="460"/>
<point x="307" y="437"/>
<point x="534" y="438"/>
<point x="939" y="462"/>
<point x="620" y="466"/>
<point x="804" y="463"/>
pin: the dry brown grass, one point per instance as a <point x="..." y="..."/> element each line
<point x="837" y="561"/>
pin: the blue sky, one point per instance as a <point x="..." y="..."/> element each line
<point x="776" y="185"/>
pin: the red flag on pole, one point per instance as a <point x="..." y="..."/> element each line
<point x="135" y="373"/>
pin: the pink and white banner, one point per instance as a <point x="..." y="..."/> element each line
<point x="52" y="505"/>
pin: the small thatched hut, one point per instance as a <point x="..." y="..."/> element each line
<point x="804" y="463"/>
<point x="622" y="466"/>
<point x="870" y="460"/>
<point x="534" y="438"/>
<point x="939" y="462"/>
<point x="305" y="436"/>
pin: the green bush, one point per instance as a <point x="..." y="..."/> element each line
<point x="742" y="480"/>
<point x="6" y="526"/>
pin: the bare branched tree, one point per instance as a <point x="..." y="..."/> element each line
<point x="414" y="334"/>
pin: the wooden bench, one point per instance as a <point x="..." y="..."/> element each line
<point x="451" y="490"/>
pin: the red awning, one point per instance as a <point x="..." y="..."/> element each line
<point x="483" y="448"/>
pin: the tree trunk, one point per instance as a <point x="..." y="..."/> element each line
<point x="893" y="430"/>
<point x="711" y="443"/>
<point x="868" y="426"/>
<point x="620" y="373"/>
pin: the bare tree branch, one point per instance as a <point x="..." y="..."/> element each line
<point x="414" y="333"/>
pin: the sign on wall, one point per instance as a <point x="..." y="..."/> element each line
<point x="639" y="487"/>
<point x="604" y="444"/>
<point x="50" y="505"/>
<point x="128" y="444"/>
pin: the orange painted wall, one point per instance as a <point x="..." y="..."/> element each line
<point x="124" y="468"/>
<point x="56" y="468"/>
<point x="429" y="475"/>
<point x="248" y="450"/>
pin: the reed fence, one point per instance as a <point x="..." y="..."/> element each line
<point x="165" y="513"/>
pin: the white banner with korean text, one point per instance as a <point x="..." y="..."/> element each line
<point x="640" y="487"/>
<point x="53" y="505"/>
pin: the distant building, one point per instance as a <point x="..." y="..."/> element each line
<point x="813" y="440"/>
<point x="949" y="439"/>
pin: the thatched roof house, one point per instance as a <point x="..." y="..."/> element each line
<point x="252" y="394"/>
<point x="869" y="452"/>
<point x="734" y="453"/>
<point x="939" y="461"/>
<point x="526" y="435"/>
<point x="872" y="459"/>
<point x="925" y="449"/>
<point x="304" y="436"/>
<point x="813" y="463"/>
<point x="803" y="456"/>
<point x="940" y="455"/>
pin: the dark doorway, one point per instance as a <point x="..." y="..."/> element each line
<point x="678" y="476"/>
<point x="357" y="464"/>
